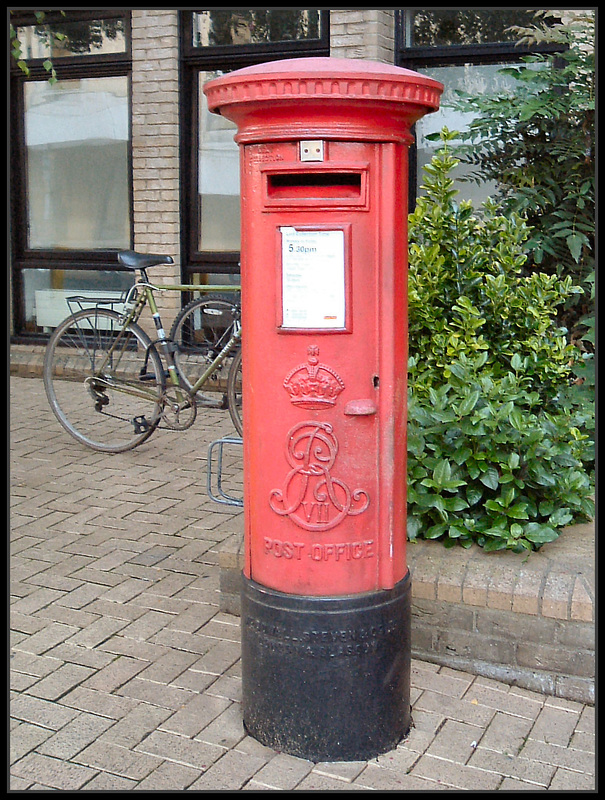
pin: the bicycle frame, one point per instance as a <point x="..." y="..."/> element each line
<point x="135" y="303"/>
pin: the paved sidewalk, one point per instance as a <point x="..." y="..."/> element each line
<point x="125" y="674"/>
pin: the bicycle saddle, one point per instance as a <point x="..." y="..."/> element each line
<point x="132" y="260"/>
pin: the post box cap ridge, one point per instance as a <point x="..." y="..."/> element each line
<point x="336" y="78"/>
<point x="329" y="66"/>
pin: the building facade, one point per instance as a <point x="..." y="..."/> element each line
<point x="120" y="151"/>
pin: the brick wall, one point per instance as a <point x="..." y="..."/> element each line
<point x="551" y="656"/>
<point x="363" y="33"/>
<point x="155" y="144"/>
<point x="529" y="622"/>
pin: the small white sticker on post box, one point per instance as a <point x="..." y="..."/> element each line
<point x="313" y="279"/>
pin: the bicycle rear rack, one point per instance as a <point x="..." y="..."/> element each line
<point x="221" y="496"/>
<point x="80" y="302"/>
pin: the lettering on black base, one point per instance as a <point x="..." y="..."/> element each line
<point x="342" y="665"/>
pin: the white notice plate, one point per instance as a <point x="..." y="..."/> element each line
<point x="313" y="279"/>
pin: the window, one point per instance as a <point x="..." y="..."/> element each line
<point x="58" y="37"/>
<point x="215" y="42"/>
<point x="70" y="162"/>
<point x="217" y="177"/>
<point x="463" y="49"/>
<point x="76" y="139"/>
<point x="467" y="26"/>
<point x="241" y="27"/>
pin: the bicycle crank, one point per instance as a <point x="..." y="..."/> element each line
<point x="179" y="417"/>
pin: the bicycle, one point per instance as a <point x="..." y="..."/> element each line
<point x="105" y="378"/>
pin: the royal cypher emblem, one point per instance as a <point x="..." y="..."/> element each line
<point x="311" y="496"/>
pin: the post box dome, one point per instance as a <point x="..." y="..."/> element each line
<point x="341" y="96"/>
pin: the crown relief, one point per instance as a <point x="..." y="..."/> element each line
<point x="313" y="385"/>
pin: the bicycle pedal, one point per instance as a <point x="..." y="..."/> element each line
<point x="141" y="425"/>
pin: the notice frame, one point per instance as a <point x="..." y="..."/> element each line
<point x="314" y="279"/>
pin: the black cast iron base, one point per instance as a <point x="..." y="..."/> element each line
<point x="326" y="678"/>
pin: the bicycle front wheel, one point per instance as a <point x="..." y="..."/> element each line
<point x="104" y="383"/>
<point x="234" y="392"/>
<point x="200" y="331"/>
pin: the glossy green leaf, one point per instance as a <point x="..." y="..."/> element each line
<point x="490" y="478"/>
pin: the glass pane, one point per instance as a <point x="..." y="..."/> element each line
<point x="432" y="28"/>
<point x="218" y="178"/>
<point x="239" y="26"/>
<point x="45" y="293"/>
<point x="474" y="79"/>
<point x="77" y="133"/>
<point x="59" y="39"/>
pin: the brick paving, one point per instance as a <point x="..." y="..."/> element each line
<point x="125" y="673"/>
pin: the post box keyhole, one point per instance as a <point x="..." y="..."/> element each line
<point x="375" y="381"/>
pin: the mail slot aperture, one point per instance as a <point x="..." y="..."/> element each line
<point x="323" y="184"/>
<point x="326" y="188"/>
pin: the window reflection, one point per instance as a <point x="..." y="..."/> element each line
<point x="45" y="293"/>
<point x="241" y="26"/>
<point x="475" y="79"/>
<point x="218" y="180"/>
<point x="438" y="27"/>
<point x="78" y="37"/>
<point x="76" y="134"/>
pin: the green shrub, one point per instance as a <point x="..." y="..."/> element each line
<point x="498" y="454"/>
<point x="537" y="141"/>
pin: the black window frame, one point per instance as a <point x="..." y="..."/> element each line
<point x="195" y="59"/>
<point x="419" y="57"/>
<point x="94" y="65"/>
<point x="415" y="57"/>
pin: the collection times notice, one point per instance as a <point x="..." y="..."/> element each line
<point x="313" y="279"/>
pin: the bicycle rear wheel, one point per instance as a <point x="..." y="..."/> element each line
<point x="200" y="331"/>
<point x="234" y="392"/>
<point x="104" y="383"/>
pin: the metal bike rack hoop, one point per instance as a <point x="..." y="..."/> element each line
<point x="222" y="496"/>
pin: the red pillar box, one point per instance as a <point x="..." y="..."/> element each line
<point x="326" y="588"/>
